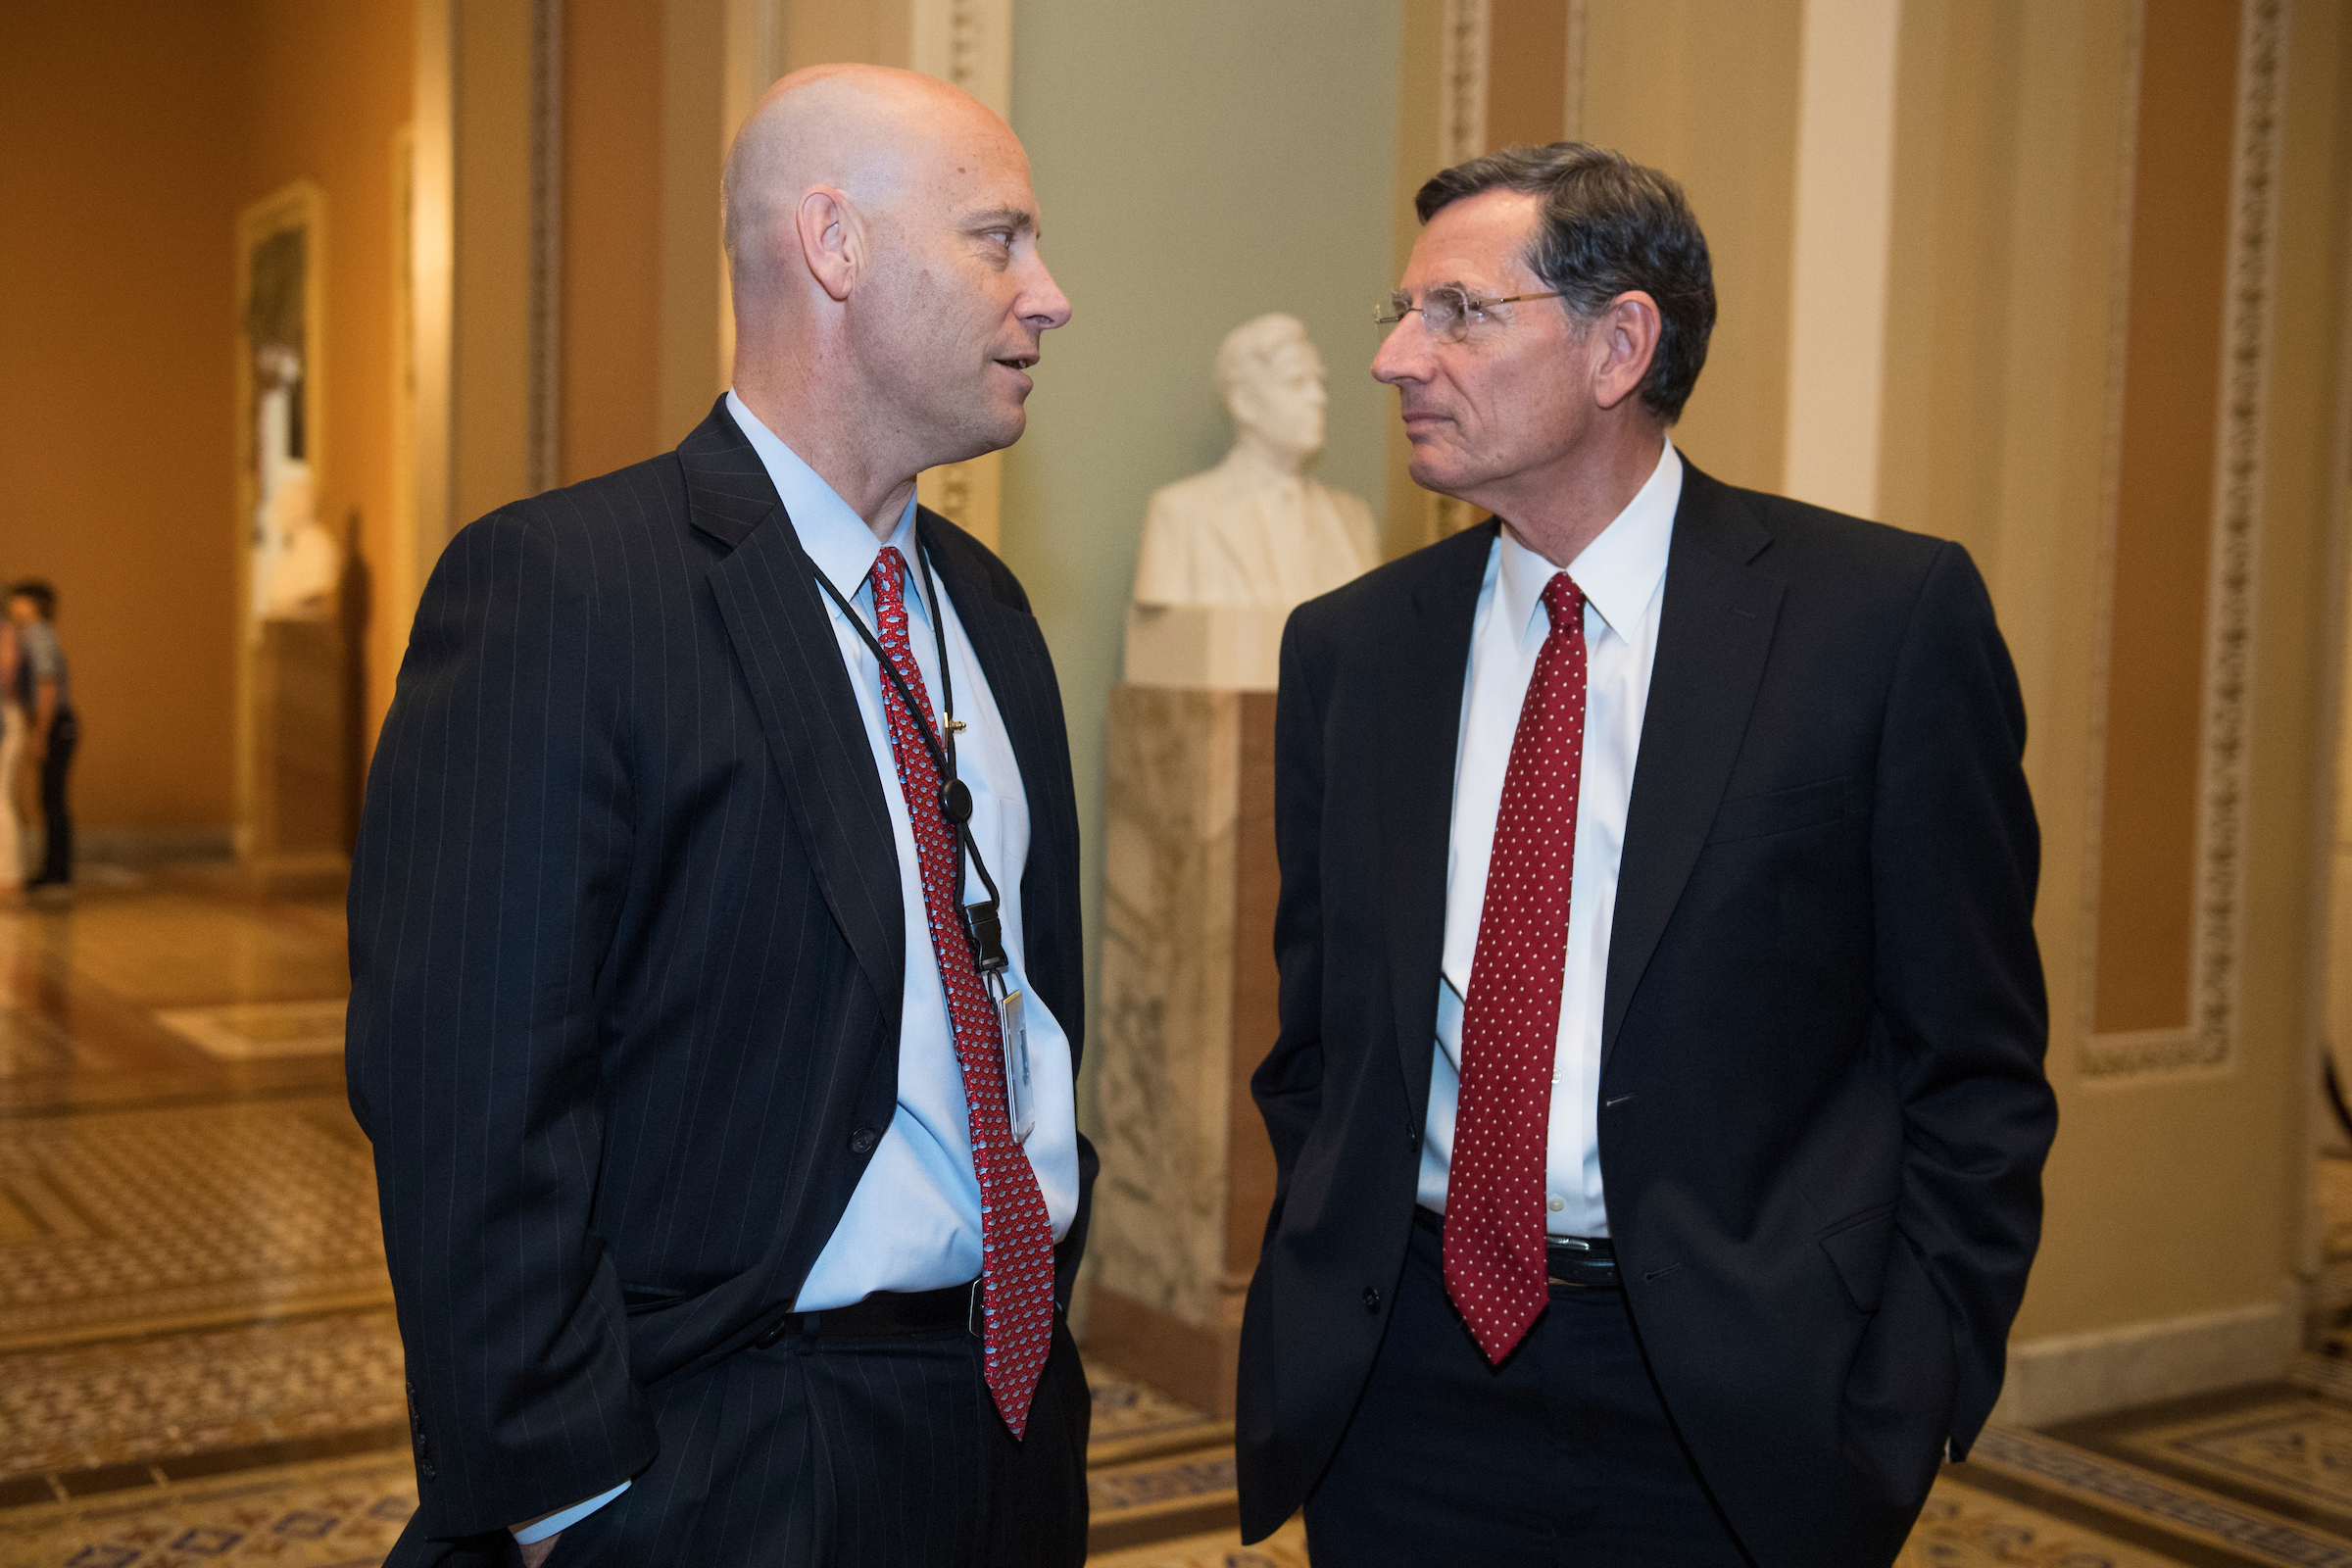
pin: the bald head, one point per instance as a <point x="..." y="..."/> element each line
<point x="873" y="133"/>
<point x="882" y="236"/>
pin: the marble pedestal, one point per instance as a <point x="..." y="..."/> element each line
<point x="297" y="842"/>
<point x="1235" y="647"/>
<point x="1188" y="1011"/>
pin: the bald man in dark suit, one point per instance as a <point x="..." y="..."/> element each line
<point x="717" y="993"/>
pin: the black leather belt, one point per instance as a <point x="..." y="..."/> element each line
<point x="1577" y="1262"/>
<point x="888" y="1313"/>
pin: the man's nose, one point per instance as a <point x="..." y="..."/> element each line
<point x="1042" y="303"/>
<point x="1404" y="354"/>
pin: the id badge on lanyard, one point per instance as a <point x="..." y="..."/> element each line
<point x="1020" y="1100"/>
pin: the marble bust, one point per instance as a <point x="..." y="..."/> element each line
<point x="1255" y="531"/>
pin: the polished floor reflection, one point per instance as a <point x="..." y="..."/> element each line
<point x="199" y="1363"/>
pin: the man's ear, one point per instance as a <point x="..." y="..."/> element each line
<point x="1626" y="337"/>
<point x="830" y="239"/>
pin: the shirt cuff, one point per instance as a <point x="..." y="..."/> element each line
<point x="555" y="1524"/>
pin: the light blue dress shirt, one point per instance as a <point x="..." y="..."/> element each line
<point x="914" y="1221"/>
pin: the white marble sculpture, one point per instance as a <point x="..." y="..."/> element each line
<point x="1228" y="553"/>
<point x="1255" y="529"/>
<point x="305" y="564"/>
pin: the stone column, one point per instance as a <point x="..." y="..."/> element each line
<point x="1187" y="1011"/>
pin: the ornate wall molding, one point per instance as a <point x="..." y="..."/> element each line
<point x="1572" y="118"/>
<point x="2208" y="1042"/>
<point x="1462" y="82"/>
<point x="972" y="45"/>
<point x="547" y="244"/>
<point x="2111" y="481"/>
<point x="968" y="43"/>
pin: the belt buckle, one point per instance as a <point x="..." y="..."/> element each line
<point x="975" y="1320"/>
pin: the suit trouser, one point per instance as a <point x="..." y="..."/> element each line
<point x="1563" y="1455"/>
<point x="840" y="1452"/>
<point x="57" y="854"/>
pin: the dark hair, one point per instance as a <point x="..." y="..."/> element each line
<point x="1610" y="226"/>
<point x="43" y="597"/>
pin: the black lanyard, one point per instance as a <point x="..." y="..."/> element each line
<point x="983" y="928"/>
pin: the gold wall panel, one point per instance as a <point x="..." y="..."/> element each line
<point x="2164" y="516"/>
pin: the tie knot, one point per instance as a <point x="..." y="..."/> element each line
<point x="889" y="577"/>
<point x="1564" y="599"/>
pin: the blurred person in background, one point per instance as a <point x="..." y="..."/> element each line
<point x="45" y="690"/>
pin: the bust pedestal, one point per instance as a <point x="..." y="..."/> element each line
<point x="1188" y="1011"/>
<point x="295" y="844"/>
<point x="1235" y="647"/>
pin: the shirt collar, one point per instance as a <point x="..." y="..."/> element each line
<point x="1619" y="570"/>
<point x="834" y="537"/>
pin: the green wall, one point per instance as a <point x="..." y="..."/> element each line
<point x="1197" y="165"/>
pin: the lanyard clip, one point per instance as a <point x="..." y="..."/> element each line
<point x="986" y="933"/>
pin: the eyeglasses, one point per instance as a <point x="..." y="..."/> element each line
<point x="1447" y="311"/>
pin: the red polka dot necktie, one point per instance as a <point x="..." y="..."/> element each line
<point x="1495" y="1265"/>
<point x="1016" y="1235"/>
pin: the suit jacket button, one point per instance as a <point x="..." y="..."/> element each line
<point x="864" y="1140"/>
<point x="1371" y="1299"/>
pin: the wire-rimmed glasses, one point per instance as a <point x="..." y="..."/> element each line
<point x="1449" y="311"/>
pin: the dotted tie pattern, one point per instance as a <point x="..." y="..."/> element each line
<point x="1495" y="1265"/>
<point x="1016" y="1235"/>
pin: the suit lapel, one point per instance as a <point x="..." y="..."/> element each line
<point x="783" y="640"/>
<point x="1011" y="652"/>
<point x="1714" y="635"/>
<point x="1010" y="648"/>
<point x="1421" y="717"/>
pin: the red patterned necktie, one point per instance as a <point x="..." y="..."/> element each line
<point x="1495" y="1265"/>
<point x="1016" y="1237"/>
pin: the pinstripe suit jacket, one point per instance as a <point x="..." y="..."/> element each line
<point x="627" y="951"/>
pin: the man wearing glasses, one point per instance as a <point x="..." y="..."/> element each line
<point x="1658" y="1103"/>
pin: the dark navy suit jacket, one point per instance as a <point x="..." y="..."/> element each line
<point x="627" y="949"/>
<point x="1823" y="1111"/>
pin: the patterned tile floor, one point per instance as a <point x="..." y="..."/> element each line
<point x="244" y="1030"/>
<point x="172" y="1395"/>
<point x="2297" y="1444"/>
<point x="110" y="1222"/>
<point x="198" y="1363"/>
<point x="326" y="1514"/>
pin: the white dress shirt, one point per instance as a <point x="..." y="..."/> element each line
<point x="1622" y="573"/>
